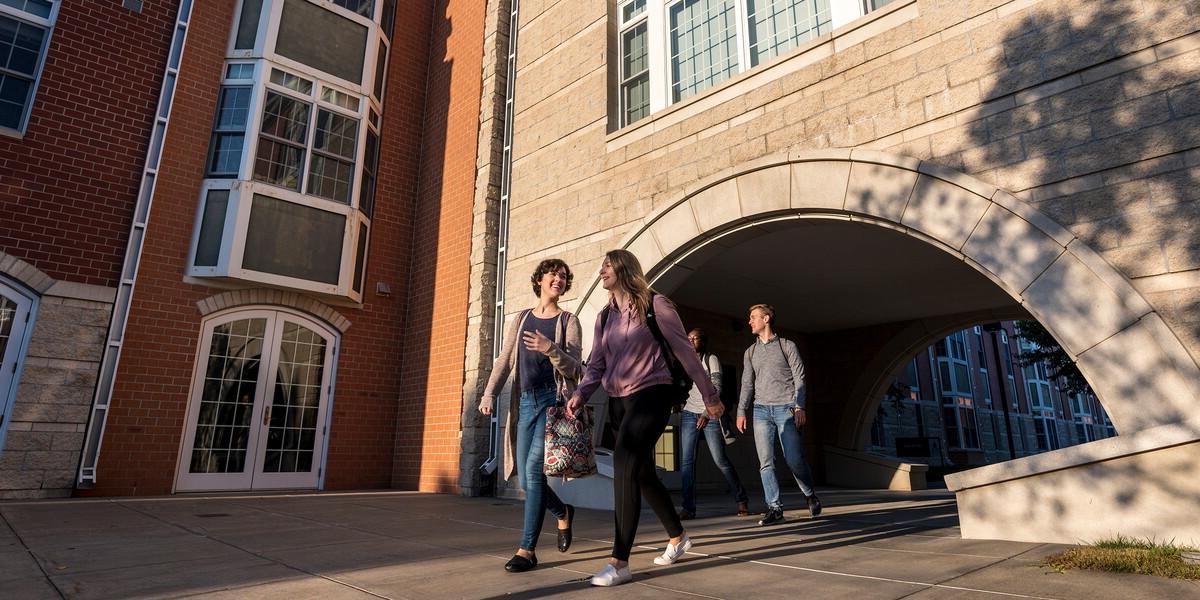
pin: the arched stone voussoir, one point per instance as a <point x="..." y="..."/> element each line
<point x="25" y="273"/>
<point x="766" y="190"/>
<point x="1091" y="309"/>
<point x="879" y="190"/>
<point x="944" y="211"/>
<point x="273" y="297"/>
<point x="1078" y="305"/>
<point x="1011" y="248"/>
<point x="820" y="184"/>
<point x="1143" y="376"/>
<point x="676" y="227"/>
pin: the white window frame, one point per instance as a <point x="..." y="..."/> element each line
<point x="12" y="357"/>
<point x="656" y="18"/>
<point x="243" y="187"/>
<point x="46" y="23"/>
<point x="275" y="316"/>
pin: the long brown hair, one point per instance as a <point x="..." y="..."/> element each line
<point x="631" y="278"/>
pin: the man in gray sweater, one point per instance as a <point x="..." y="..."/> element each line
<point x="773" y="381"/>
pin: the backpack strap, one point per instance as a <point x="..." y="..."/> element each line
<point x="785" y="358"/>
<point x="652" y="323"/>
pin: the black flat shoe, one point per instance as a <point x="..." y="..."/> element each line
<point x="564" y="535"/>
<point x="520" y="564"/>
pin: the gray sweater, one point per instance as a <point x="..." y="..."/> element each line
<point x="770" y="377"/>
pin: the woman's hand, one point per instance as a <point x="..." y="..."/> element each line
<point x="701" y="421"/>
<point x="741" y="424"/>
<point x="575" y="404"/>
<point x="536" y="342"/>
<point x="485" y="406"/>
<point x="716" y="410"/>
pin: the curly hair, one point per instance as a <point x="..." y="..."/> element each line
<point x="551" y="265"/>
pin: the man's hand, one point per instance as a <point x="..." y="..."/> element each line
<point x="741" y="424"/>
<point x="536" y="342"/>
<point x="800" y="417"/>
<point x="701" y="421"/>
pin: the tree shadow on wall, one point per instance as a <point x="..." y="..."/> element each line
<point x="1100" y="133"/>
<point x="1108" y="156"/>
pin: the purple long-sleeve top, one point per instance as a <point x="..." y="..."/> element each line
<point x="626" y="358"/>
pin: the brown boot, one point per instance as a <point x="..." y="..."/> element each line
<point x="743" y="509"/>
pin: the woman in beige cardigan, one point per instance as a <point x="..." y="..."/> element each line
<point x="545" y="366"/>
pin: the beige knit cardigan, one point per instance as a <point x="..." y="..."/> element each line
<point x="564" y="356"/>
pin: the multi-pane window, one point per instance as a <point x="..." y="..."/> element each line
<point x="635" y="62"/>
<point x="777" y="26"/>
<point x="961" y="429"/>
<point x="1041" y="402"/>
<point x="229" y="131"/>
<point x="958" y="404"/>
<point x="363" y="7"/>
<point x="25" y="27"/>
<point x="703" y="45"/>
<point x="282" y="141"/>
<point x="953" y="368"/>
<point x="670" y="50"/>
<point x="334" y="143"/>
<point x="222" y="434"/>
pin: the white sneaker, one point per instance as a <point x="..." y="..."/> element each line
<point x="611" y="575"/>
<point x="674" y="551"/>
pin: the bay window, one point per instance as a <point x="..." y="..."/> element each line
<point x="293" y="158"/>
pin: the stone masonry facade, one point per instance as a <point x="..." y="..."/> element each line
<point x="1085" y="111"/>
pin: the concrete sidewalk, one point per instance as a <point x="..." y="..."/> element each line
<point x="866" y="545"/>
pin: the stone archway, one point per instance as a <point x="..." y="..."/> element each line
<point x="1121" y="344"/>
<point x="1142" y="483"/>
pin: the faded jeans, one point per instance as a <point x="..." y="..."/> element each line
<point x="690" y="440"/>
<point x="771" y="421"/>
<point x="531" y="460"/>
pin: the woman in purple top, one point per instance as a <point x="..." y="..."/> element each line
<point x="628" y="362"/>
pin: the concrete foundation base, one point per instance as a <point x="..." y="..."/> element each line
<point x="1143" y="485"/>
<point x="859" y="470"/>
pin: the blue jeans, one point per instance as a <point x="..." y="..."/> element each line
<point x="690" y="437"/>
<point x="771" y="421"/>
<point x="531" y="460"/>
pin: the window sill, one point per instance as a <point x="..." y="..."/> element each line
<point x="11" y="133"/>
<point x="822" y="47"/>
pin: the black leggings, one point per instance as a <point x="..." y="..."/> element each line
<point x="639" y="419"/>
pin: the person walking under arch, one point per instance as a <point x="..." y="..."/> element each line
<point x="694" y="423"/>
<point x="629" y="361"/>
<point x="773" y="381"/>
<point x="544" y="361"/>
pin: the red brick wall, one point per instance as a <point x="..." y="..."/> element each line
<point x="67" y="189"/>
<point x="150" y="399"/>
<point x="427" y="438"/>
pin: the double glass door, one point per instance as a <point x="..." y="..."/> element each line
<point x="259" y="404"/>
<point x="14" y="324"/>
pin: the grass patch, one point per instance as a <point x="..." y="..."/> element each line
<point x="1128" y="555"/>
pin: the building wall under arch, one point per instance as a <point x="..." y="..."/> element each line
<point x="1078" y="119"/>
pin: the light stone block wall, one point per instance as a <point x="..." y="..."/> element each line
<point x="484" y="244"/>
<point x="1087" y="113"/>
<point x="54" y="395"/>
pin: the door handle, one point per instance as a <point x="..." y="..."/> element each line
<point x="266" y="415"/>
